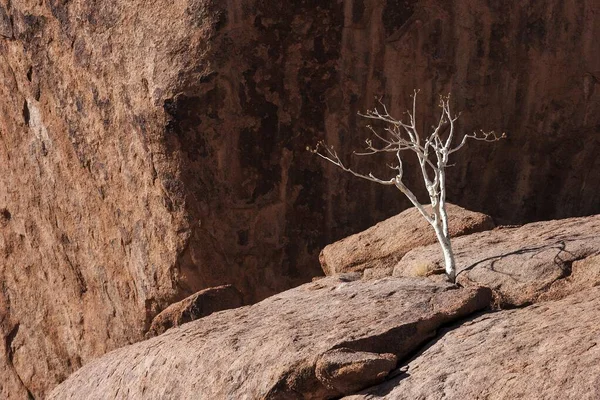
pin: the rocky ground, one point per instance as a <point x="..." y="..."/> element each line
<point x="522" y="323"/>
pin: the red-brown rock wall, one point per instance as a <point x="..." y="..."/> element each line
<point x="91" y="224"/>
<point x="527" y="68"/>
<point x="149" y="150"/>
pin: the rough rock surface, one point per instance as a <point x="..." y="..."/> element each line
<point x="383" y="245"/>
<point x="151" y="149"/>
<point x="518" y="263"/>
<point x="585" y="274"/>
<point x="545" y="351"/>
<point x="198" y="305"/>
<point x="92" y="221"/>
<point x="271" y="350"/>
<point x="348" y="371"/>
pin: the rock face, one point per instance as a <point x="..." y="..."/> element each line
<point x="151" y="149"/>
<point x="545" y="351"/>
<point x="197" y="306"/>
<point x="383" y="245"/>
<point x="518" y="264"/>
<point x="92" y="216"/>
<point x="310" y="342"/>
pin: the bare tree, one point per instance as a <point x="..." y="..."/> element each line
<point x="432" y="151"/>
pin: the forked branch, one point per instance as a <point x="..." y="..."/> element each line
<point x="432" y="150"/>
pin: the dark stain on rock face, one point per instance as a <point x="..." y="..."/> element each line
<point x="358" y="10"/>
<point x="309" y="206"/>
<point x="260" y="146"/>
<point x="60" y="11"/>
<point x="6" y="29"/>
<point x="435" y="43"/>
<point x="184" y="118"/>
<point x="81" y="53"/>
<point x="498" y="42"/>
<point x="242" y="135"/>
<point x="28" y="27"/>
<point x="533" y="32"/>
<point x="242" y="237"/>
<point x="396" y="13"/>
<point x="5" y="217"/>
<point x="25" y="113"/>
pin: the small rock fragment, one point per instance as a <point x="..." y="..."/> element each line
<point x="349" y="371"/>
<point x="196" y="306"/>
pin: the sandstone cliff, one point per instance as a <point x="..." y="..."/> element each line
<point x="152" y="149"/>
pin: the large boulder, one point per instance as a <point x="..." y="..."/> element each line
<point x="383" y="245"/>
<point x="314" y="342"/>
<point x="518" y="263"/>
<point x="545" y="351"/>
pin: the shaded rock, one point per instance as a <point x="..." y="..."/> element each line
<point x="271" y="350"/>
<point x="549" y="350"/>
<point x="517" y="263"/>
<point x="348" y="371"/>
<point x="6" y="28"/>
<point x="383" y="245"/>
<point x="198" y="305"/>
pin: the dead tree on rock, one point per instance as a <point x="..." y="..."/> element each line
<point x="432" y="151"/>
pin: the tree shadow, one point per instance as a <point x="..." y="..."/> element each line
<point x="560" y="246"/>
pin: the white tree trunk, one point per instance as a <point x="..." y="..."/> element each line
<point x="432" y="151"/>
<point x="446" y="246"/>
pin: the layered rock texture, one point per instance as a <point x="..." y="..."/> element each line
<point x="545" y="351"/>
<point x="519" y="264"/>
<point x="320" y="340"/>
<point x="149" y="150"/>
<point x="377" y="250"/>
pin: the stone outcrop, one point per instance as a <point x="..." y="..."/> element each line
<point x="519" y="264"/>
<point x="383" y="245"/>
<point x="149" y="150"/>
<point x="197" y="306"/>
<point x="545" y="351"/>
<point x="310" y="342"/>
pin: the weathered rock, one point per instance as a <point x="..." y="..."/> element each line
<point x="383" y="245"/>
<point x="92" y="219"/>
<point x="271" y="350"/>
<point x="149" y="150"/>
<point x="348" y="371"/>
<point x="198" y="305"/>
<point x="6" y="29"/>
<point x="546" y="351"/>
<point x="584" y="274"/>
<point x="517" y="263"/>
